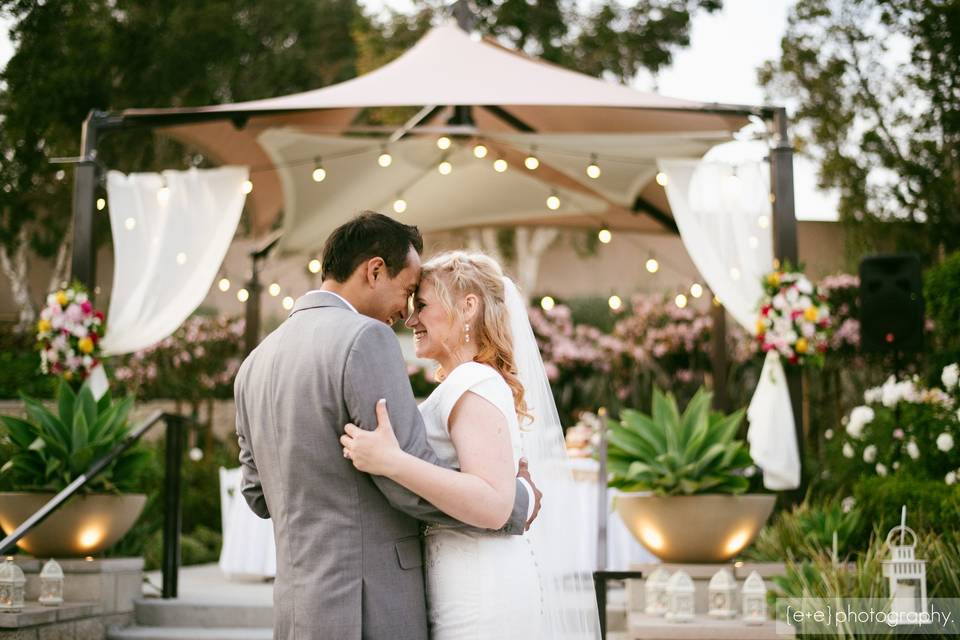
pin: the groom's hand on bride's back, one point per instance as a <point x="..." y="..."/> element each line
<point x="524" y="473"/>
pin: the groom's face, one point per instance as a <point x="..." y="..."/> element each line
<point x="391" y="295"/>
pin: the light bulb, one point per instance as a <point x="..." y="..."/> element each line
<point x="274" y="289"/>
<point x="553" y="202"/>
<point x="101" y="204"/>
<point x="680" y="300"/>
<point x="593" y="169"/>
<point x="314" y="266"/>
<point x="243" y="295"/>
<point x="763" y="221"/>
<point x="615" y="302"/>
<point x="288" y="303"/>
<point x="444" y="168"/>
<point x="181" y="258"/>
<point x="605" y="236"/>
<point x="547" y="303"/>
<point x="652" y="265"/>
<point x="531" y="162"/>
<point x="163" y="195"/>
<point x="224" y="284"/>
<point x="399" y="205"/>
<point x="319" y="173"/>
<point x="247" y="186"/>
<point x="696" y="290"/>
<point x="129" y="224"/>
<point x="443" y="143"/>
<point x="500" y="165"/>
<point x="734" y="273"/>
<point x="385" y="159"/>
<point x="662" y="179"/>
<point x="480" y="151"/>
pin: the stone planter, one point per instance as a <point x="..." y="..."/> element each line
<point x="84" y="526"/>
<point x="705" y="528"/>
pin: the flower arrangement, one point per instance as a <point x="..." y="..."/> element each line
<point x="905" y="427"/>
<point x="68" y="334"/>
<point x="794" y="318"/>
<point x="842" y="291"/>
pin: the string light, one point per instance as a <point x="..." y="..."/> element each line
<point x="605" y="236"/>
<point x="385" y="159"/>
<point x="696" y="290"/>
<point x="531" y="162"/>
<point x="445" y="168"/>
<point x="652" y="265"/>
<point x="163" y="195"/>
<point x="288" y="303"/>
<point x="734" y="273"/>
<point x="662" y="179"/>
<point x="319" y="173"/>
<point x="593" y="169"/>
<point x="615" y="302"/>
<point x="274" y="289"/>
<point x="181" y="258"/>
<point x="553" y="201"/>
<point x="500" y="165"/>
<point x="243" y="295"/>
<point x="247" y="186"/>
<point x="763" y="221"/>
<point x="314" y="266"/>
<point x="443" y="143"/>
<point x="224" y="284"/>
<point x="101" y="204"/>
<point x="399" y="205"/>
<point x="480" y="151"/>
<point x="129" y="224"/>
<point x="547" y="303"/>
<point x="680" y="301"/>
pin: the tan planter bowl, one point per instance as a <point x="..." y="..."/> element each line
<point x="707" y="528"/>
<point x="84" y="526"/>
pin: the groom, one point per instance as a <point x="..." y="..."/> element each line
<point x="349" y="558"/>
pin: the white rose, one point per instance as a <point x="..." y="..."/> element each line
<point x="848" y="503"/>
<point x="870" y="454"/>
<point x="945" y="442"/>
<point x="804" y="286"/>
<point x="950" y="375"/>
<point x="881" y="469"/>
<point x="828" y="434"/>
<point x="951" y="477"/>
<point x="859" y="418"/>
<point x="779" y="302"/>
<point x="890" y="393"/>
<point x="847" y="450"/>
<point x="873" y="396"/>
<point x="913" y="450"/>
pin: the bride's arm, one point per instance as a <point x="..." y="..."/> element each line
<point x="481" y="494"/>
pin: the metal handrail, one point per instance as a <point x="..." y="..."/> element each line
<point x="171" y="508"/>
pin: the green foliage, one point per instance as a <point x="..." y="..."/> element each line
<point x="20" y="366"/>
<point x="806" y="531"/>
<point x="941" y="292"/>
<point x="670" y="453"/>
<point x="932" y="505"/>
<point x="49" y="450"/>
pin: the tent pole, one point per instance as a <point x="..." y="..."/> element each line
<point x="785" y="250"/>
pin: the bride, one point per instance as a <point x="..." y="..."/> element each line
<point x="493" y="406"/>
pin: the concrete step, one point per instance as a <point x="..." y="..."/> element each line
<point x="154" y="612"/>
<point x="644" y="627"/>
<point x="189" y="633"/>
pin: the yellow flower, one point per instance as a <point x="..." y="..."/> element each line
<point x="761" y="326"/>
<point x="773" y="279"/>
<point x="801" y="346"/>
<point x="85" y="345"/>
<point x="62" y="298"/>
<point x="811" y="314"/>
<point x="43" y="326"/>
<point x="68" y="376"/>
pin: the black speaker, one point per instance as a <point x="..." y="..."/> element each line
<point x="891" y="304"/>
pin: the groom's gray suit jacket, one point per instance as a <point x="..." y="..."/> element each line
<point x="349" y="556"/>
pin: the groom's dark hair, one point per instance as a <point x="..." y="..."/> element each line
<point x="369" y="235"/>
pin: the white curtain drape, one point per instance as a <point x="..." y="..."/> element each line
<point x="723" y="213"/>
<point x="171" y="232"/>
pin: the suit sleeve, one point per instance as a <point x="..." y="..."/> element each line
<point x="375" y="369"/>
<point x="250" y="485"/>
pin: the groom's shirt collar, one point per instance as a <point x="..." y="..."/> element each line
<point x="335" y="295"/>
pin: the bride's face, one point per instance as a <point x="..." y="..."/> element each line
<point x="433" y="331"/>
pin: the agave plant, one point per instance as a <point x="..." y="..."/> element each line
<point x="670" y="453"/>
<point x="50" y="450"/>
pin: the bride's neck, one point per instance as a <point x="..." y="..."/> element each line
<point x="466" y="353"/>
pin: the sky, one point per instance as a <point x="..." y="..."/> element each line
<point x="719" y="66"/>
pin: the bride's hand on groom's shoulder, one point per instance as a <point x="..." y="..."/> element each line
<point x="375" y="452"/>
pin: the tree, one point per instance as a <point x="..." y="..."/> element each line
<point x="878" y="89"/>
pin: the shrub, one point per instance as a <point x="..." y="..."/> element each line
<point x="932" y="505"/>
<point x="940" y="288"/>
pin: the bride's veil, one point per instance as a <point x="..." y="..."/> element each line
<point x="568" y="599"/>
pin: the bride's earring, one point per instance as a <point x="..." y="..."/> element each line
<point x="466" y="329"/>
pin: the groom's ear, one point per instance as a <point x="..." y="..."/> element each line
<point x="375" y="269"/>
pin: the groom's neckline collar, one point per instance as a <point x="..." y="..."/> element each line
<point x="321" y="298"/>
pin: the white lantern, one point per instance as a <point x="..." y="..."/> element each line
<point x="655" y="592"/>
<point x="51" y="584"/>
<point x="680" y="598"/>
<point x="754" y="598"/>
<point x="11" y="587"/>
<point x="906" y="574"/>
<point x="723" y="594"/>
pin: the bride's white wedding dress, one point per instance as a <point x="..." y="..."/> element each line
<point x="480" y="586"/>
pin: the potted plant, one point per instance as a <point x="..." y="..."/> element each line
<point x="47" y="451"/>
<point x="683" y="478"/>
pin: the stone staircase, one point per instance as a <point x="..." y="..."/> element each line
<point x="191" y="619"/>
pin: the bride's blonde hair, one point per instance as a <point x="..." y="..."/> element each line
<point x="455" y="274"/>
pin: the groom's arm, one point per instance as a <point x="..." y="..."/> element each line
<point x="250" y="485"/>
<point x="375" y="369"/>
